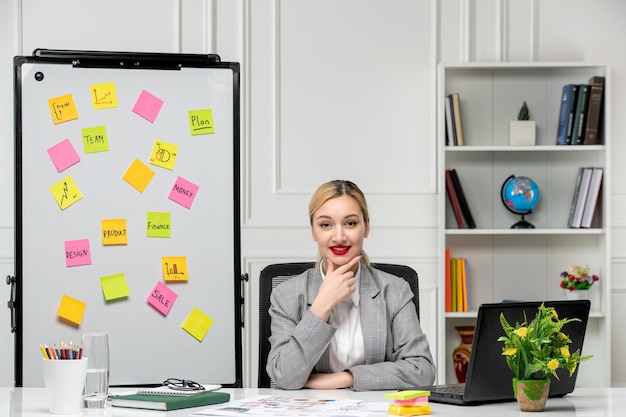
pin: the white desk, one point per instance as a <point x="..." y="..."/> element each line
<point x="588" y="402"/>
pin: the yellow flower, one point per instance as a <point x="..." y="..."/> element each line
<point x="555" y="315"/>
<point x="521" y="332"/>
<point x="565" y="352"/>
<point x="553" y="364"/>
<point x="563" y="336"/>
<point x="510" y="352"/>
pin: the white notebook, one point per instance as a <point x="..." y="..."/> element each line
<point x="165" y="390"/>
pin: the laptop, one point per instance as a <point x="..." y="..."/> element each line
<point x="489" y="378"/>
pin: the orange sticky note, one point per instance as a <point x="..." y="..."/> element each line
<point x="398" y="410"/>
<point x="163" y="154"/>
<point x="114" y="232"/>
<point x="71" y="309"/>
<point x="62" y="109"/>
<point x="114" y="287"/>
<point x="174" y="268"/>
<point x="197" y="324"/>
<point x="103" y="96"/>
<point x="138" y="175"/>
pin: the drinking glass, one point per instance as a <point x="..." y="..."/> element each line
<point x="96" y="350"/>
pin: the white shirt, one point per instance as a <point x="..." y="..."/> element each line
<point x="346" y="347"/>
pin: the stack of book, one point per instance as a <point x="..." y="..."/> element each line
<point x="454" y="125"/>
<point x="456" y="196"/>
<point x="457" y="284"/>
<point x="409" y="403"/>
<point x="580" y="113"/>
<point x="586" y="208"/>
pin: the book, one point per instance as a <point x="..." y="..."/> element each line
<point x="595" y="186"/>
<point x="169" y="402"/>
<point x="467" y="213"/>
<point x="580" y="115"/>
<point x="575" y="194"/>
<point x="453" y="285"/>
<point x="454" y="200"/>
<point x="581" y="198"/>
<point x="450" y="125"/>
<point x="460" y="270"/>
<point x="594" y="111"/>
<point x="566" y="113"/>
<point x="448" y="293"/>
<point x="456" y="112"/>
<point x="166" y="390"/>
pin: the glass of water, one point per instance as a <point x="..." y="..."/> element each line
<point x="96" y="350"/>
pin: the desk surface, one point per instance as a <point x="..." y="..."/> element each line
<point x="589" y="402"/>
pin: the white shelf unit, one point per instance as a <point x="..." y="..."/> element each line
<point x="521" y="264"/>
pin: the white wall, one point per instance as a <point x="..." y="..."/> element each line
<point x="330" y="89"/>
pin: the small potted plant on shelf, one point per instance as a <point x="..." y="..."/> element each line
<point x="576" y="280"/>
<point x="522" y="130"/>
<point x="535" y="350"/>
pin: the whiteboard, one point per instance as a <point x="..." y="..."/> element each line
<point x="151" y="337"/>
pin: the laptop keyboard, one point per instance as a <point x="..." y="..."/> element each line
<point x="450" y="389"/>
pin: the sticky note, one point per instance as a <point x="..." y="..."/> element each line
<point x="71" y="309"/>
<point x="408" y="394"/>
<point x="412" y="401"/>
<point x="66" y="192"/>
<point x="197" y="324"/>
<point x="162" y="298"/>
<point x="201" y="122"/>
<point x="174" y="268"/>
<point x="114" y="287"/>
<point x="147" y="106"/>
<point x="95" y="139"/>
<point x="138" y="175"/>
<point x="159" y="224"/>
<point x="114" y="232"/>
<point x="103" y="96"/>
<point x="63" y="155"/>
<point x="183" y="192"/>
<point x="163" y="154"/>
<point x="77" y="252"/>
<point x="398" y="410"/>
<point x="62" y="109"/>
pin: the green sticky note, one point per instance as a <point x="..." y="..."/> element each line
<point x="159" y="224"/>
<point x="201" y="122"/>
<point x="114" y="287"/>
<point x="95" y="139"/>
<point x="407" y="395"/>
<point x="197" y="324"/>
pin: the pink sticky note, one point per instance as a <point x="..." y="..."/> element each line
<point x="162" y="298"/>
<point x="147" y="106"/>
<point x="183" y="192"/>
<point x="63" y="155"/>
<point x="77" y="252"/>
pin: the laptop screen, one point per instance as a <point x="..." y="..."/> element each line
<point x="488" y="376"/>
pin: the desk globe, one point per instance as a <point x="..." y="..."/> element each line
<point x="520" y="195"/>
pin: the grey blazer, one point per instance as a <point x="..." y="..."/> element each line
<point x="397" y="354"/>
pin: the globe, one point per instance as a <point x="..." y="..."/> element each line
<point x="520" y="195"/>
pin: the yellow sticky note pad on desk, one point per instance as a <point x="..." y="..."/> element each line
<point x="408" y="394"/>
<point x="197" y="324"/>
<point x="399" y="410"/>
<point x="71" y="309"/>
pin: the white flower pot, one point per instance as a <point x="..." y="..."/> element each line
<point x="578" y="295"/>
<point x="522" y="132"/>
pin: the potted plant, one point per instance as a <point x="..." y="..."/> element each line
<point x="522" y="130"/>
<point x="576" y="280"/>
<point x="535" y="350"/>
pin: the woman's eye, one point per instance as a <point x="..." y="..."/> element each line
<point x="351" y="223"/>
<point x="324" y="225"/>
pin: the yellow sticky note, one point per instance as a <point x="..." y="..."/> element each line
<point x="159" y="224"/>
<point x="163" y="154"/>
<point x="197" y="324"/>
<point x="114" y="232"/>
<point x="398" y="410"/>
<point x="201" y="122"/>
<point x="103" y="96"/>
<point x="71" y="309"/>
<point x="62" y="109"/>
<point x="66" y="192"/>
<point x="174" y="268"/>
<point x="138" y="175"/>
<point x="407" y="394"/>
<point x="114" y="287"/>
<point x="95" y="139"/>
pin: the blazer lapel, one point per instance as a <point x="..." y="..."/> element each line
<point x="373" y="318"/>
<point x="313" y="287"/>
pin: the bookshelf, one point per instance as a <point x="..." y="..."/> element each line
<point x="520" y="264"/>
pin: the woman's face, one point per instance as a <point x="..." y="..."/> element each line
<point x="339" y="229"/>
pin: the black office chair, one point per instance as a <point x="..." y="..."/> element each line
<point x="272" y="275"/>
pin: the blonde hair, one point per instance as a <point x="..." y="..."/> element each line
<point x="334" y="189"/>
